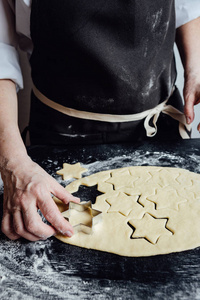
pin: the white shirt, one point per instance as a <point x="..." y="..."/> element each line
<point x="15" y="31"/>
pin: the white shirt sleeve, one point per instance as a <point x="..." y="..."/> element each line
<point x="186" y="11"/>
<point x="9" y="58"/>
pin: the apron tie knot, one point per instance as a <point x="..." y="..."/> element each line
<point x="173" y="112"/>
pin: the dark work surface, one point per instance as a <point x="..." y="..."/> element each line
<point x="53" y="270"/>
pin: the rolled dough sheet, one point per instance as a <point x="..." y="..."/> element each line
<point x="145" y="211"/>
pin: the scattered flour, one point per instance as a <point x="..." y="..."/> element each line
<point x="27" y="270"/>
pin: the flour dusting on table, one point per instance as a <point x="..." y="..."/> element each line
<point x="30" y="271"/>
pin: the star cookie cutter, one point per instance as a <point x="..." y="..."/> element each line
<point x="96" y="216"/>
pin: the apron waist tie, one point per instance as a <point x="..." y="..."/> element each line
<point x="147" y="115"/>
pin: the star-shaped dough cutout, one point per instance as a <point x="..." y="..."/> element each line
<point x="183" y="179"/>
<point x="143" y="176"/>
<point x="82" y="216"/>
<point x="129" y="204"/>
<point x="164" y="177"/>
<point x="104" y="187"/>
<point x="122" y="179"/>
<point x="166" y="198"/>
<point x="71" y="171"/>
<point x="145" y="188"/>
<point x="195" y="188"/>
<point x="150" y="228"/>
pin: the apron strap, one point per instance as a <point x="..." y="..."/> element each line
<point x="147" y="115"/>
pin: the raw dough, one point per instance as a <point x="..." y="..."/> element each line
<point x="71" y="171"/>
<point x="83" y="217"/>
<point x="146" y="211"/>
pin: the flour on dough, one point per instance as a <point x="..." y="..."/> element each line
<point x="146" y="211"/>
<point x="71" y="171"/>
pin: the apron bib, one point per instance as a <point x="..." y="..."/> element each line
<point x="106" y="57"/>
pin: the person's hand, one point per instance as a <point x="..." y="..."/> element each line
<point x="191" y="94"/>
<point x="188" y="42"/>
<point x="27" y="188"/>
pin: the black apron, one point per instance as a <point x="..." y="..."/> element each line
<point x="102" y="56"/>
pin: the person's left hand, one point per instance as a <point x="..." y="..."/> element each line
<point x="188" y="42"/>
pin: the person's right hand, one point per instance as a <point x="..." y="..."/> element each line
<point x="27" y="188"/>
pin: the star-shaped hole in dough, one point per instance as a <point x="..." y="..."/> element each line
<point x="166" y="198"/>
<point x="122" y="179"/>
<point x="71" y="171"/>
<point x="149" y="228"/>
<point x="125" y="204"/>
<point x="87" y="192"/>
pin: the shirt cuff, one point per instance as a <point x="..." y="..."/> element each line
<point x="186" y="11"/>
<point x="9" y="65"/>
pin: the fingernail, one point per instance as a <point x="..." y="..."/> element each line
<point x="68" y="233"/>
<point x="43" y="239"/>
<point x="188" y="120"/>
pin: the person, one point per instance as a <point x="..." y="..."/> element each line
<point x="103" y="72"/>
